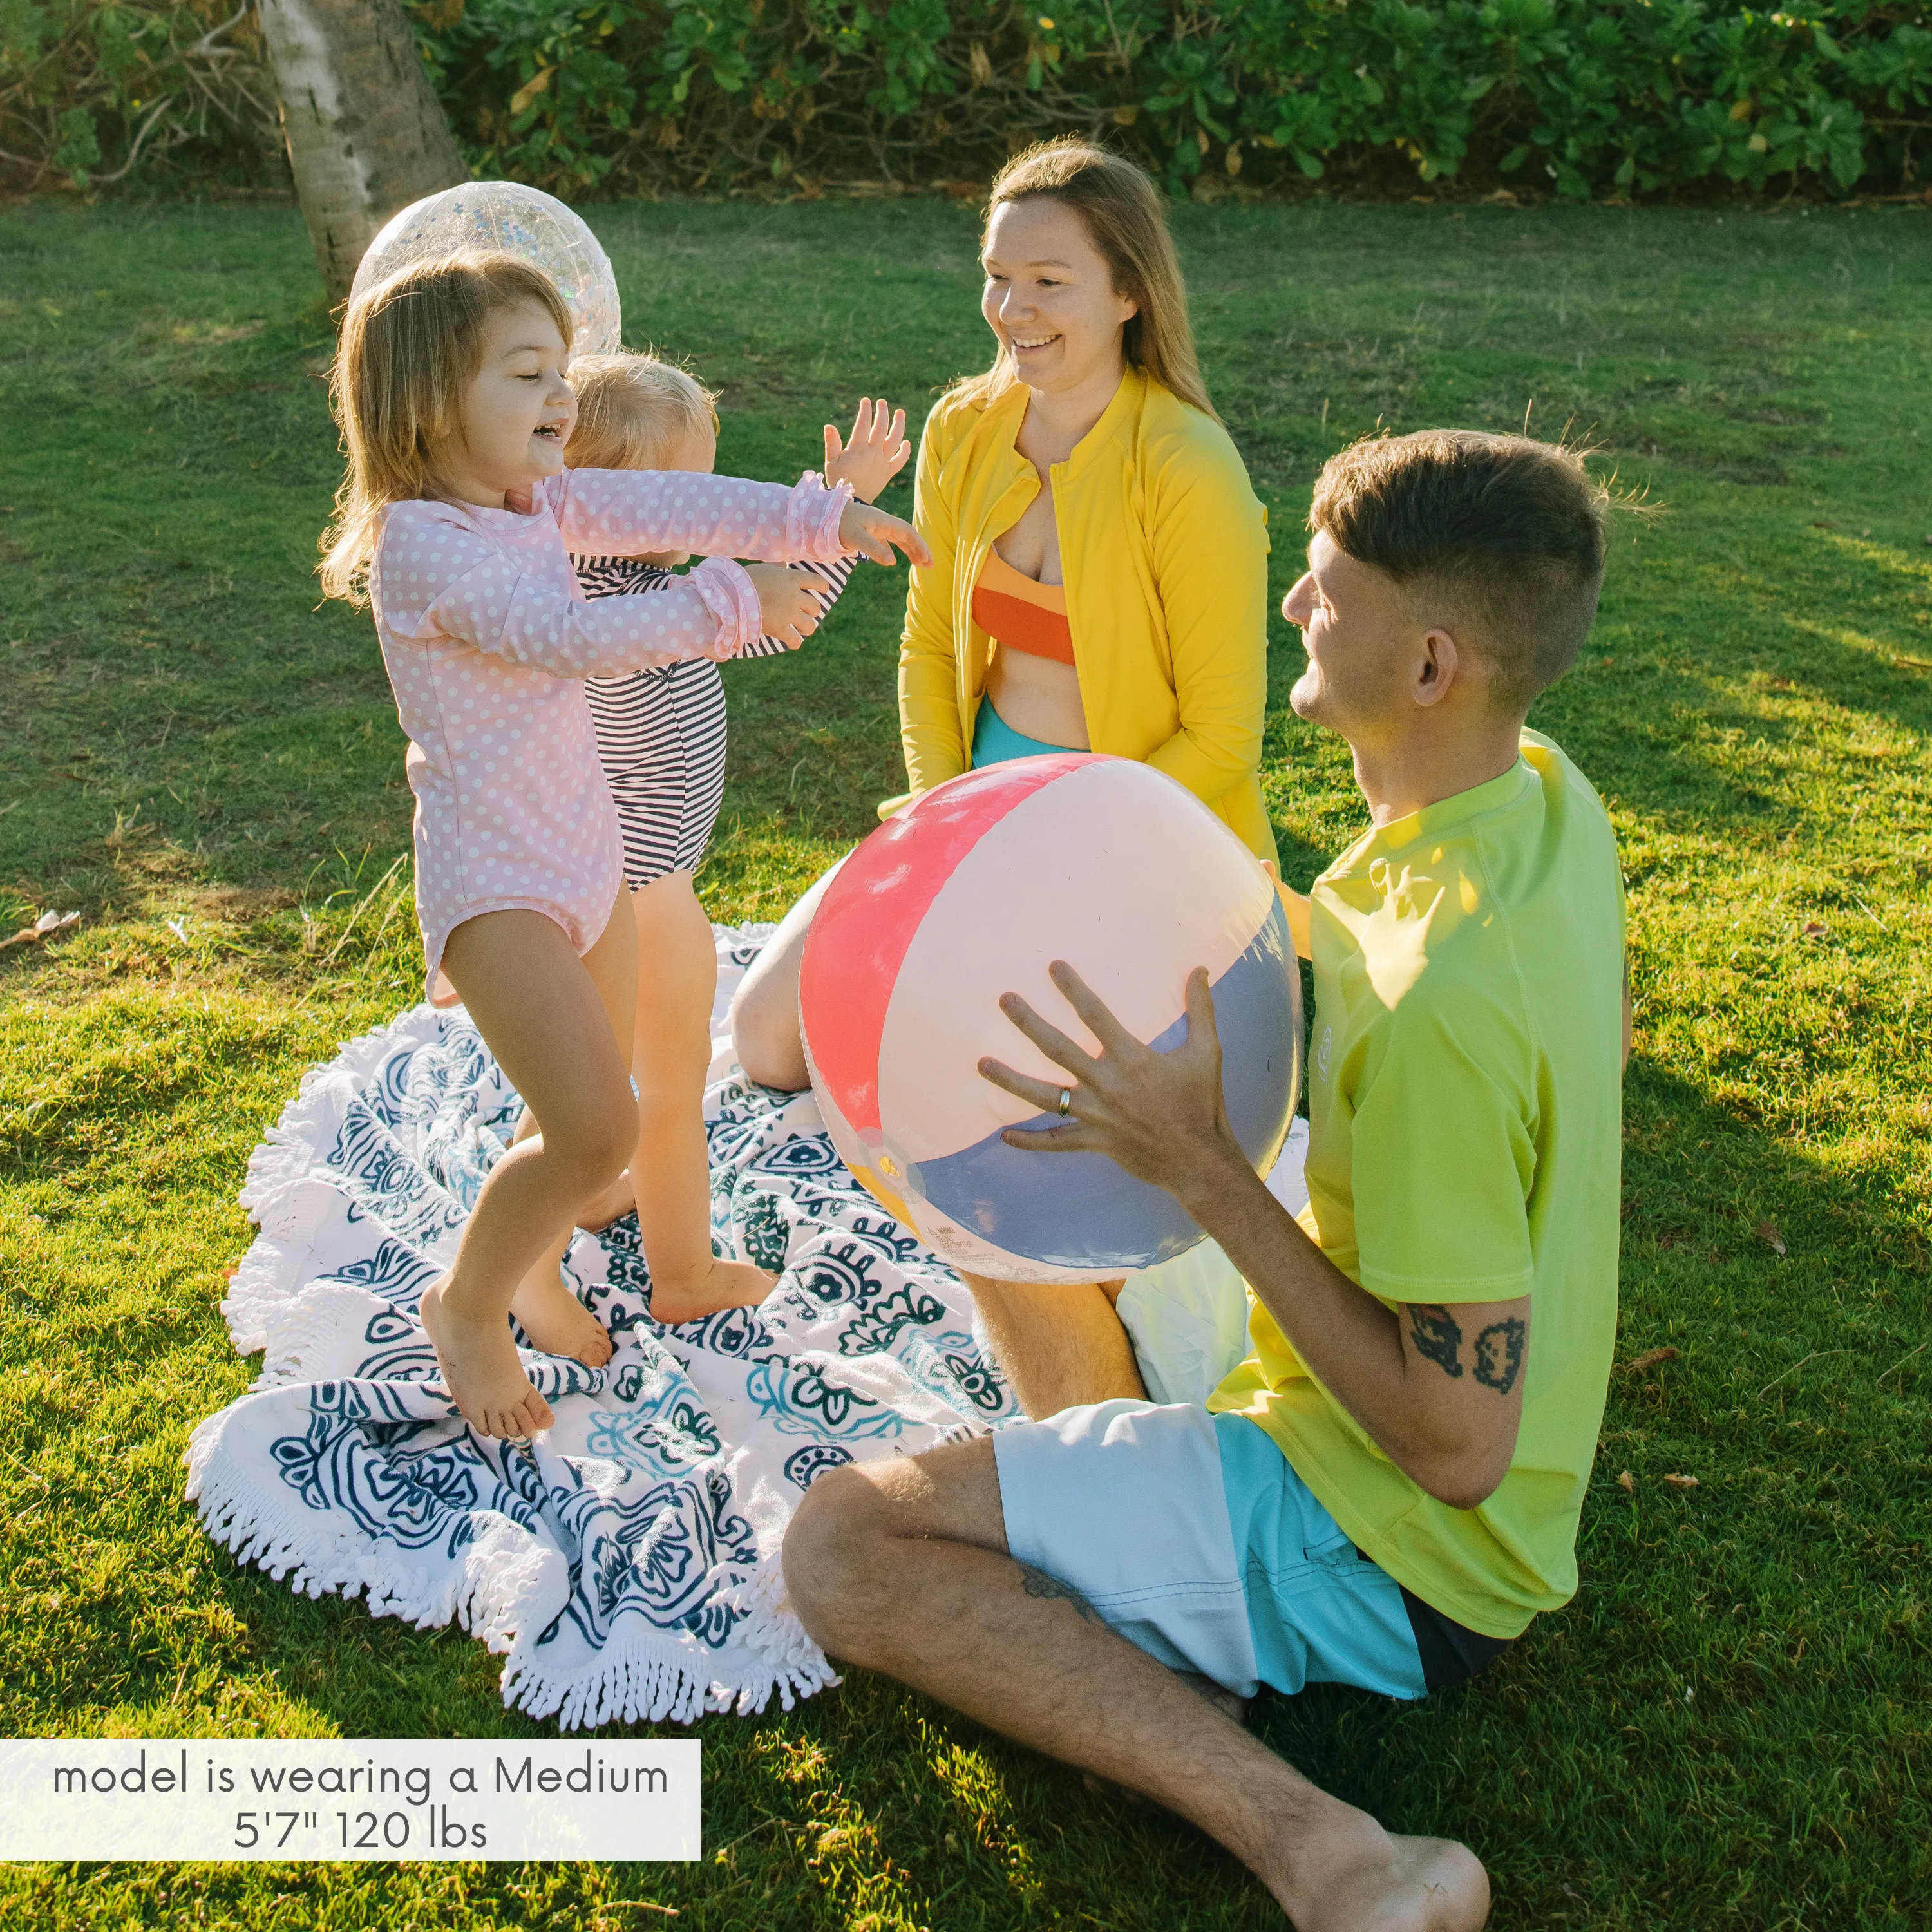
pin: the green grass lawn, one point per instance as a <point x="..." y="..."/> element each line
<point x="1727" y="1728"/>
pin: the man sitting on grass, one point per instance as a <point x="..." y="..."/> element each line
<point x="1387" y="1489"/>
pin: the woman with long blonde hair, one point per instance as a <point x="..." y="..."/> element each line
<point x="1098" y="582"/>
<point x="1099" y="578"/>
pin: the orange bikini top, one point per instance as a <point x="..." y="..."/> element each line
<point x="1022" y="615"/>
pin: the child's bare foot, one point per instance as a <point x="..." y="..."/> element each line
<point x="480" y="1368"/>
<point x="607" y="1204"/>
<point x="725" y="1284"/>
<point x="1362" y="1878"/>
<point x="557" y="1322"/>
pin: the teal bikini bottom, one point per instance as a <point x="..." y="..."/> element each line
<point x="994" y="741"/>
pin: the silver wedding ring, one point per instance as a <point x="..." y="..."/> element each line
<point x="1066" y="1102"/>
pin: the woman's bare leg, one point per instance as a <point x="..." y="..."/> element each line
<point x="677" y="981"/>
<point x="764" y="1010"/>
<point x="549" y="1018"/>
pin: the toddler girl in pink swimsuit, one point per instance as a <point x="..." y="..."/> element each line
<point x="456" y="511"/>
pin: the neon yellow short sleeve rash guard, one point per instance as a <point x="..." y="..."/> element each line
<point x="1465" y="1116"/>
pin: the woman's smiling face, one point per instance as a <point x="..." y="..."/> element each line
<point x="1049" y="296"/>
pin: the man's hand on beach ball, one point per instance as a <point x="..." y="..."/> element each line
<point x="786" y="608"/>
<point x="876" y="533"/>
<point x="1149" y="1111"/>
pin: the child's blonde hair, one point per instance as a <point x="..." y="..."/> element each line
<point x="408" y="346"/>
<point x="632" y="409"/>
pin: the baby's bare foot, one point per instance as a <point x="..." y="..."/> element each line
<point x="725" y="1284"/>
<point x="558" y="1323"/>
<point x="480" y="1368"/>
<point x="608" y="1204"/>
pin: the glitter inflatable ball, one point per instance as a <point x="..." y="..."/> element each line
<point x="522" y="221"/>
<point x="974" y="891"/>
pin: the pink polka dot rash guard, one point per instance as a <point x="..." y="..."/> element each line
<point x="487" y="639"/>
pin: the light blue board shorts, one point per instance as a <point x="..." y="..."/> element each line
<point x="1191" y="1534"/>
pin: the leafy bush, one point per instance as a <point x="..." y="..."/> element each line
<point x="91" y="94"/>
<point x="1578" y="97"/>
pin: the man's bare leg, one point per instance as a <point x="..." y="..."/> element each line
<point x="1058" y="1347"/>
<point x="901" y="1566"/>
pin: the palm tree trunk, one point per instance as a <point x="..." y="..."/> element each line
<point x="367" y="135"/>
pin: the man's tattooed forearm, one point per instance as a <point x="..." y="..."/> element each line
<point x="1038" y="1583"/>
<point x="1436" y="1336"/>
<point x="1499" y="1355"/>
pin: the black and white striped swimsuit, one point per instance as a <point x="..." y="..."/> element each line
<point x="660" y="733"/>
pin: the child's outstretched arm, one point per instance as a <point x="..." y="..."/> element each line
<point x="628" y="512"/>
<point x="820" y="584"/>
<point x="434" y="576"/>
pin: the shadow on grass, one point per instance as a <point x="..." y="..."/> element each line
<point x="1712" y="727"/>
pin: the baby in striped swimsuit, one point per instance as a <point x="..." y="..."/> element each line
<point x="661" y="736"/>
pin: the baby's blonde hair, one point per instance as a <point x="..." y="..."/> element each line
<point x="631" y="410"/>
<point x="408" y="345"/>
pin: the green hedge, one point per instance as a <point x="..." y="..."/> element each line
<point x="1579" y="98"/>
<point x="1576" y="97"/>
<point x="92" y="95"/>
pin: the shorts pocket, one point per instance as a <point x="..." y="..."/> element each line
<point x="1331" y="1553"/>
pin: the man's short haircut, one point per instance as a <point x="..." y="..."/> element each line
<point x="1509" y="533"/>
<point x="633" y="410"/>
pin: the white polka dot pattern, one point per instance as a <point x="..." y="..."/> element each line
<point x="487" y="639"/>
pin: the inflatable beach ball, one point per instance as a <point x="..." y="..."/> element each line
<point x="521" y="221"/>
<point x="973" y="891"/>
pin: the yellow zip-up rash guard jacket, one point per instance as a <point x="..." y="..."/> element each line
<point x="1163" y="548"/>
